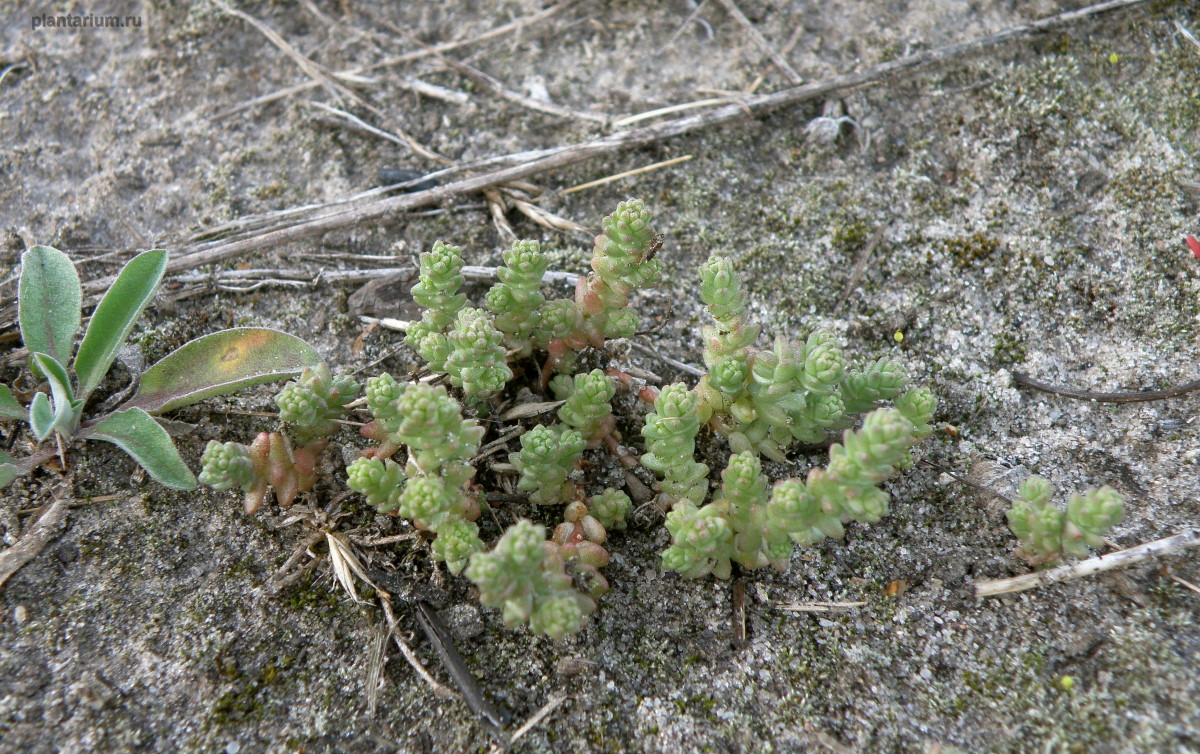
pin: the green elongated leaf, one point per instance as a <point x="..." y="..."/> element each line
<point x="115" y="316"/>
<point x="41" y="417"/>
<point x="222" y="363"/>
<point x="67" y="410"/>
<point x="48" y="302"/>
<point x="135" y="432"/>
<point x="9" y="408"/>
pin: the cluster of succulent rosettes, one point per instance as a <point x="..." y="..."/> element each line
<point x="547" y="460"/>
<point x="551" y="583"/>
<point x="433" y="488"/>
<point x="437" y="291"/>
<point x="796" y="392"/>
<point x="622" y="262"/>
<point x="313" y="403"/>
<point x="526" y="577"/>
<point x="310" y="406"/>
<point x="1048" y="533"/>
<point x="670" y="432"/>
<point x="473" y="347"/>
<point x="741" y="525"/>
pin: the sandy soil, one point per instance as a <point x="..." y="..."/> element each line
<point x="1033" y="201"/>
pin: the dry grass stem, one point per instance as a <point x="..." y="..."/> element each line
<point x="669" y="110"/>
<point x="1184" y="582"/>
<point x="318" y="73"/>
<point x="818" y="607"/>
<point x="346" y="564"/>
<point x="344" y="118"/>
<point x="860" y="268"/>
<point x="440" y="689"/>
<point x="354" y="75"/>
<point x="626" y="174"/>
<point x="776" y="58"/>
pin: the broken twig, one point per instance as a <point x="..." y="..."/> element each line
<point x="1108" y="562"/>
<point x="35" y="539"/>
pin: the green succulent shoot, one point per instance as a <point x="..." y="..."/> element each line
<point x="437" y="292"/>
<point x="1048" y="533"/>
<point x="766" y="400"/>
<point x="670" y="433"/>
<point x="268" y="463"/>
<point x="311" y="406"/>
<point x="742" y="525"/>
<point x="477" y="361"/>
<point x="517" y="299"/>
<point x="610" y="508"/>
<point x="623" y="261"/>
<point x="432" y="490"/>
<point x="440" y="279"/>
<point x="314" y="402"/>
<point x="547" y="458"/>
<point x="427" y="420"/>
<point x="587" y="408"/>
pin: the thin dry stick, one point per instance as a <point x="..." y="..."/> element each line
<point x="353" y="74"/>
<point x="1184" y="582"/>
<point x="693" y="16"/>
<point x="785" y="51"/>
<point x="818" y="607"/>
<point x="472" y="692"/>
<point x="691" y="369"/>
<point x="669" y="110"/>
<point x="779" y="61"/>
<point x="439" y="688"/>
<point x="1188" y="34"/>
<point x="495" y="86"/>
<point x="1118" y="397"/>
<point x="626" y="174"/>
<point x="289" y="274"/>
<point x="318" y="73"/>
<point x="537" y="717"/>
<point x="737" y="602"/>
<point x="1119" y="559"/>
<point x="545" y="160"/>
<point x="35" y="539"/>
<point x="497" y="206"/>
<point x="545" y="218"/>
<point x="403" y="139"/>
<point x="433" y="91"/>
<point x="860" y="268"/>
<point x="73" y="505"/>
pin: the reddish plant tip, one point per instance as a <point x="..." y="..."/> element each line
<point x="1194" y="245"/>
